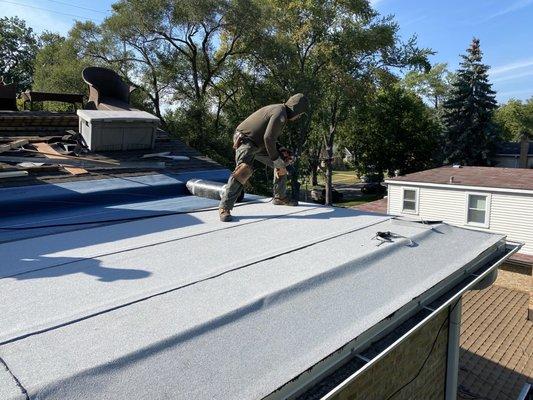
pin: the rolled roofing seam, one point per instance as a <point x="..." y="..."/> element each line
<point x="172" y="288"/>
<point x="154" y="244"/>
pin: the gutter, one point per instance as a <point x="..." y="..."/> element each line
<point x="422" y="310"/>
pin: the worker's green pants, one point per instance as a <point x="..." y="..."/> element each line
<point x="247" y="153"/>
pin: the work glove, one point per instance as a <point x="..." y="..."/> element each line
<point x="280" y="172"/>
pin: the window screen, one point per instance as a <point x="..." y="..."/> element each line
<point x="409" y="200"/>
<point x="477" y="208"/>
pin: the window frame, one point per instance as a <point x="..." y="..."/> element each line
<point x="488" y="198"/>
<point x="417" y="200"/>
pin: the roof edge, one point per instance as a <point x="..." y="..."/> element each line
<point x="464" y="279"/>
<point x="456" y="186"/>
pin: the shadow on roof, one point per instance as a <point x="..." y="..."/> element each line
<point x="481" y="378"/>
<point x="70" y="266"/>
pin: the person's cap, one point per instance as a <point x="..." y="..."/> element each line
<point x="297" y="104"/>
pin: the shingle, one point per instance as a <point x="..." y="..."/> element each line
<point x="509" y="178"/>
<point x="496" y="343"/>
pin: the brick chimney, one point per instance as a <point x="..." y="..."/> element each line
<point x="524" y="149"/>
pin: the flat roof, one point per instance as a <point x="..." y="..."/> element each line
<point x="505" y="178"/>
<point x="184" y="306"/>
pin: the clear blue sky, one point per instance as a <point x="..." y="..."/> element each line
<point x="505" y="28"/>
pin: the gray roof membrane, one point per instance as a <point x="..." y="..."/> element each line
<point x="198" y="309"/>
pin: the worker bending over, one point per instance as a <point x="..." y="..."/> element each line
<point x="255" y="139"/>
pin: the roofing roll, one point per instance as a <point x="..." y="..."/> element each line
<point x="209" y="189"/>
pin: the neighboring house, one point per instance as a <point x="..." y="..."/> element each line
<point x="515" y="154"/>
<point x="489" y="199"/>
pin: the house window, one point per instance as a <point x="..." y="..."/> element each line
<point x="477" y="209"/>
<point x="410" y="201"/>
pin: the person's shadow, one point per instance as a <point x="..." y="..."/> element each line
<point x="70" y="266"/>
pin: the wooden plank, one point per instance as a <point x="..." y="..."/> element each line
<point x="76" y="158"/>
<point x="48" y="151"/>
<point x="84" y="163"/>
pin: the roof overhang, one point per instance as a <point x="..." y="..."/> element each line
<point x="458" y="187"/>
<point x="415" y="315"/>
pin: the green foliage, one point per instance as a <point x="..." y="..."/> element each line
<point x="333" y="51"/>
<point x="58" y="66"/>
<point x="515" y="119"/>
<point x="203" y="66"/>
<point x="470" y="136"/>
<point x="18" y="46"/>
<point x="433" y="85"/>
<point x="392" y="131"/>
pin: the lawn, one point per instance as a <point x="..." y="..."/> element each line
<point x="347" y="178"/>
<point x="342" y="177"/>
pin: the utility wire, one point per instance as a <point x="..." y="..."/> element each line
<point x="428" y="355"/>
<point x="80" y="7"/>
<point x="47" y="9"/>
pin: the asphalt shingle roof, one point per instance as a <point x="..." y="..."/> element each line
<point x="496" y="344"/>
<point x="509" y="178"/>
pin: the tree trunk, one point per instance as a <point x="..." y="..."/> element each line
<point x="295" y="183"/>
<point x="314" y="175"/>
<point x="329" y="176"/>
<point x="329" y="153"/>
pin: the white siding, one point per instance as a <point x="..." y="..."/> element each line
<point x="510" y="214"/>
<point x="394" y="199"/>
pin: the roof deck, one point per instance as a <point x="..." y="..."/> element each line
<point x="181" y="305"/>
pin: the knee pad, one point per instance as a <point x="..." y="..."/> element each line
<point x="242" y="173"/>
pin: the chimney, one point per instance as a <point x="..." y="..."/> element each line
<point x="524" y="149"/>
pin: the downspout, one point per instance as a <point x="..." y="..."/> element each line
<point x="452" y="367"/>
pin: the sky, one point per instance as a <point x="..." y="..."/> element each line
<point x="504" y="27"/>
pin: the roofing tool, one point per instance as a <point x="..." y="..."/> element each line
<point x="209" y="189"/>
<point x="387" y="236"/>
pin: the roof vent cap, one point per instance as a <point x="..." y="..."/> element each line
<point x="457" y="166"/>
<point x="452" y="178"/>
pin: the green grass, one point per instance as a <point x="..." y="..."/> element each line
<point x="344" y="177"/>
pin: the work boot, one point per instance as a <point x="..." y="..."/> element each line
<point x="224" y="214"/>
<point x="284" y="201"/>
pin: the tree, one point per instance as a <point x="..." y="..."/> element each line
<point x="18" y="46"/>
<point x="391" y="131"/>
<point x="433" y="85"/>
<point x="58" y="65"/>
<point x="515" y="119"/>
<point x="326" y="49"/>
<point x="470" y="136"/>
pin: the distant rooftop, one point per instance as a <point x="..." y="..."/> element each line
<point x="505" y="178"/>
<point x="512" y="149"/>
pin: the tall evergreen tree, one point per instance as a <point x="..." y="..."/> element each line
<point x="470" y="136"/>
